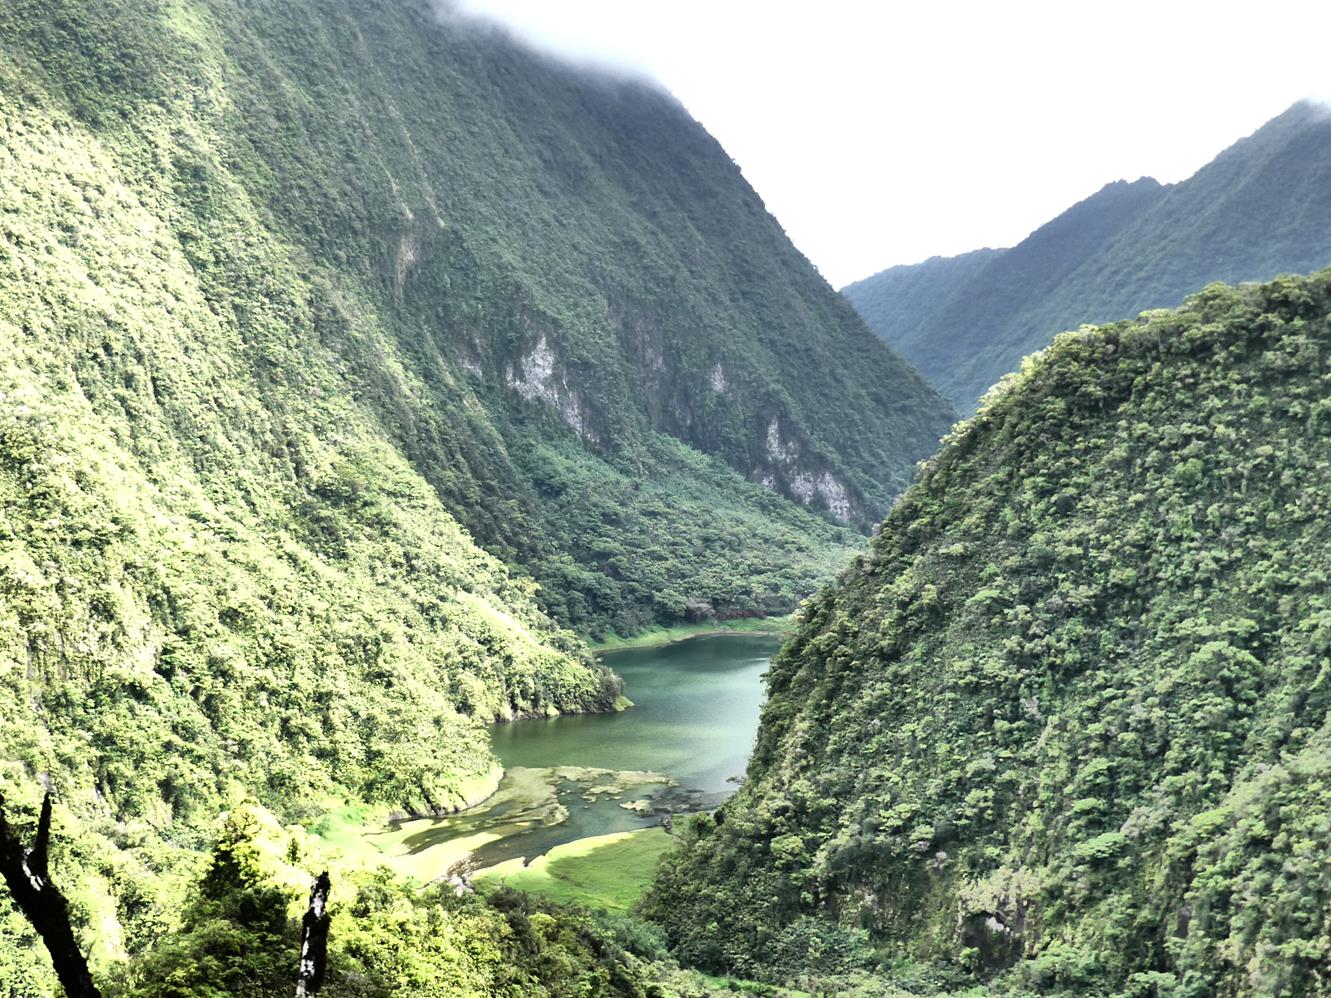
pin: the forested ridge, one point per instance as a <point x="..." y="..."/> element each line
<point x="1259" y="209"/>
<point x="1063" y="728"/>
<point x="358" y="364"/>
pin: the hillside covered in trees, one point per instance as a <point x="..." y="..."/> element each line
<point x="356" y="364"/>
<point x="1259" y="209"/>
<point x="1065" y="727"/>
<point x="533" y="282"/>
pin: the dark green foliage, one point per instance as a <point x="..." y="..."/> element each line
<point x="896" y="302"/>
<point x="1261" y="208"/>
<point x="1066" y="725"/>
<point x="236" y="937"/>
<point x="622" y="565"/>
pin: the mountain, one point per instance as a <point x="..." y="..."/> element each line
<point x="356" y="363"/>
<point x="1261" y="208"/>
<point x="532" y="279"/>
<point x="894" y="298"/>
<point x="1065" y="726"/>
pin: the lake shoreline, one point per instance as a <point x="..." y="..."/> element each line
<point x="656" y="637"/>
<point x="581" y="797"/>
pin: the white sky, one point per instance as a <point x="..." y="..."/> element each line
<point x="885" y="133"/>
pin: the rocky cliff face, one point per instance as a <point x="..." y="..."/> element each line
<point x="532" y="280"/>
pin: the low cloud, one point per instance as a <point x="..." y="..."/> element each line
<point x="539" y="25"/>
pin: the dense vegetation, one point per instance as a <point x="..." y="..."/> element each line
<point x="236" y="936"/>
<point x="355" y="365"/>
<point x="1261" y="208"/>
<point x="1065" y="727"/>
<point x="496" y="258"/>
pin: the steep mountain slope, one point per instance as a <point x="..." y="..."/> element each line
<point x="1068" y="720"/>
<point x="530" y="277"/>
<point x="323" y="329"/>
<point x="897" y="298"/>
<point x="1261" y="208"/>
<point x="994" y="297"/>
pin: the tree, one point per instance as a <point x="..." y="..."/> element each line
<point x="29" y="879"/>
<point x="314" y="941"/>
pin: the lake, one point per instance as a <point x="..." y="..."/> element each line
<point x="695" y="715"/>
<point x="690" y="731"/>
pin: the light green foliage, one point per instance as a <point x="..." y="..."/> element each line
<point x="1078" y="688"/>
<point x="607" y="872"/>
<point x="235" y="936"/>
<point x="527" y="279"/>
<point x="348" y="356"/>
<point x="240" y="935"/>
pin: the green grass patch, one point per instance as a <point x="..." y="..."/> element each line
<point x="608" y="872"/>
<point x="734" y="985"/>
<point x="365" y="842"/>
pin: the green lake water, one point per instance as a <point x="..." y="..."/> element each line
<point x="695" y="715"/>
<point x="694" y="718"/>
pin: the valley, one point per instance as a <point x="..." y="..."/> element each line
<point x="360" y="368"/>
<point x="426" y="461"/>
<point x="1259" y="209"/>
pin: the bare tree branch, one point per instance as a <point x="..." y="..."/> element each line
<point x="28" y="876"/>
<point x="314" y="940"/>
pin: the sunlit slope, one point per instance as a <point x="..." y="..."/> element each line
<point x="348" y="356"/>
<point x="218" y="578"/>
<point x="305" y="305"/>
<point x="535" y="281"/>
<point x="214" y="566"/>
<point x="1065" y="722"/>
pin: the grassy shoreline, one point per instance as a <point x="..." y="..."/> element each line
<point x="609" y="872"/>
<point x="655" y="636"/>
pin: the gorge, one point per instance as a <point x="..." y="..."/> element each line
<point x="374" y="389"/>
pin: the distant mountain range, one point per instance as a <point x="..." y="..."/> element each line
<point x="1260" y="208"/>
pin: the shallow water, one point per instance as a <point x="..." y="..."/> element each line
<point x="535" y="810"/>
<point x="693" y="722"/>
